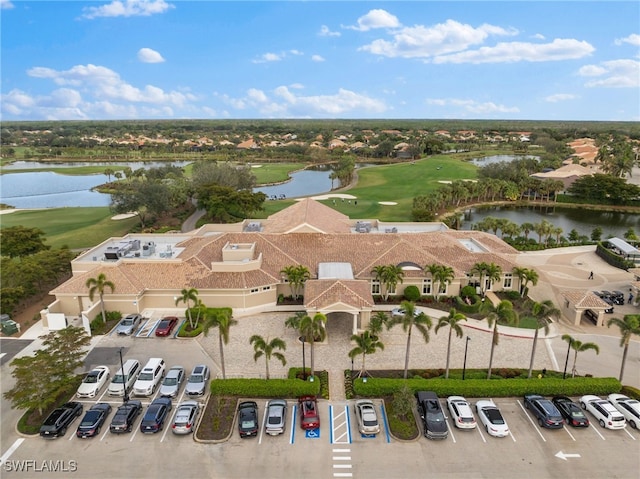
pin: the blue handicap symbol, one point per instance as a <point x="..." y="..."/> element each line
<point x="367" y="436"/>
<point x="313" y="433"/>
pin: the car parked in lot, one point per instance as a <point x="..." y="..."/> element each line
<point x="491" y="417"/>
<point x="149" y="377"/>
<point x="606" y="414"/>
<point x="367" y="417"/>
<point x="309" y="414"/>
<point x="617" y="297"/>
<point x="198" y="380"/>
<point x="93" y="420"/>
<point x="93" y="382"/>
<point x="125" y="417"/>
<point x="166" y="325"/>
<point x="630" y="408"/>
<point x="172" y="381"/>
<point x="276" y="417"/>
<point x="435" y="425"/>
<point x="606" y="297"/>
<point x="155" y="415"/>
<point x="544" y="410"/>
<point x="185" y="419"/>
<point x="128" y="325"/>
<point x="248" y="418"/>
<point x="399" y="312"/>
<point x="461" y="413"/>
<point x="571" y="412"/>
<point x="60" y="419"/>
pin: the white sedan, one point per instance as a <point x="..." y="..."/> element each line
<point x="461" y="413"/>
<point x="491" y="417"/>
<point x="606" y="414"/>
<point x="630" y="408"/>
<point x="93" y="382"/>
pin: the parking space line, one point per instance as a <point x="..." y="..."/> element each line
<point x="479" y="429"/>
<point x="338" y="422"/>
<point x="135" y="431"/>
<point x="596" y="431"/>
<point x="264" y="421"/>
<point x="524" y="410"/>
<point x="105" y="432"/>
<point x="568" y="432"/>
<point x="292" y="434"/>
<point x="11" y="450"/>
<point x="630" y="435"/>
<point x="166" y="430"/>
<point x="453" y="437"/>
<point x="383" y="412"/>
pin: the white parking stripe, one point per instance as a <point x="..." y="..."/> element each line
<point x="568" y="432"/>
<point x="11" y="450"/>
<point x="480" y="431"/>
<point x="264" y="419"/>
<point x="593" y="428"/>
<point x="630" y="435"/>
<point x="524" y="410"/>
<point x="342" y="466"/>
<point x="341" y="458"/>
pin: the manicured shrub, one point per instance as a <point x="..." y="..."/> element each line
<point x="631" y="392"/>
<point x="412" y="293"/>
<point x="187" y="332"/>
<point x="264" y="388"/>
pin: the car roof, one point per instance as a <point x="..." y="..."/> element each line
<point x="199" y="369"/>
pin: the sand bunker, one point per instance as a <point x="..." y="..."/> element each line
<point x="123" y="216"/>
<point x="329" y="196"/>
<point x="387" y="203"/>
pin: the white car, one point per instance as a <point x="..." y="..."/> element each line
<point x="399" y="312"/>
<point x="461" y="413"/>
<point x="93" y="382"/>
<point x="606" y="414"/>
<point x="630" y="408"/>
<point x="491" y="417"/>
<point x="368" y="423"/>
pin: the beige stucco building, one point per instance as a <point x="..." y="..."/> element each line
<point x="239" y="265"/>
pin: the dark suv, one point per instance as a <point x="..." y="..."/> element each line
<point x="435" y="425"/>
<point x="59" y="420"/>
<point x="154" y="418"/>
<point x="543" y="409"/>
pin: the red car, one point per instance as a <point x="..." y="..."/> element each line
<point x="166" y="325"/>
<point x="309" y="414"/>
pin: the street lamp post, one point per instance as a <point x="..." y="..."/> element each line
<point x="125" y="397"/>
<point x="566" y="361"/>
<point x="464" y="365"/>
<point x="304" y="367"/>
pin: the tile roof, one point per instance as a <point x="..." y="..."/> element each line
<point x="584" y="299"/>
<point x="324" y="293"/>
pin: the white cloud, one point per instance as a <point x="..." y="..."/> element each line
<point x="538" y="36"/>
<point x="286" y="103"/>
<point x="510" y="52"/>
<point x="326" y="32"/>
<point x="269" y="57"/>
<point x="560" y="97"/>
<point x="147" y="55"/>
<point x="6" y="4"/>
<point x="317" y="58"/>
<point x="472" y="106"/>
<point x="613" y="73"/>
<point x="296" y="52"/>
<point x="376" y="19"/>
<point x="424" y="42"/>
<point x="128" y="8"/>
<point x="633" y="39"/>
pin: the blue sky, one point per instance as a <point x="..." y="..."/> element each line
<point x="148" y="59"/>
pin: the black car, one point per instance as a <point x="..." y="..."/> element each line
<point x="570" y="411"/>
<point x="155" y="416"/>
<point x="93" y="420"/>
<point x="125" y="417"/>
<point x="617" y="297"/>
<point x="606" y="297"/>
<point x="248" y="418"/>
<point x="544" y="410"/>
<point x="59" y="420"/>
<point x="435" y="425"/>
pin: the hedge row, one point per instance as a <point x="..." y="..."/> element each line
<point x="613" y="259"/>
<point x="262" y="388"/>
<point x="378" y="387"/>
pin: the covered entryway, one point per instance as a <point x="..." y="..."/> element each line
<point x="577" y="302"/>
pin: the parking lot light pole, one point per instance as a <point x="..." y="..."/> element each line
<point x="464" y="365"/>
<point x="125" y="398"/>
<point x="566" y="361"/>
<point x="304" y="367"/>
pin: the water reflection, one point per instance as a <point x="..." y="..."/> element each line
<point x="489" y="160"/>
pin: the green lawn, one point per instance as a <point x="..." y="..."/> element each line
<point x="74" y="170"/>
<point x="275" y="172"/>
<point x="74" y="227"/>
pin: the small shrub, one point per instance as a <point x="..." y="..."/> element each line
<point x="512" y="295"/>
<point x="412" y="293"/>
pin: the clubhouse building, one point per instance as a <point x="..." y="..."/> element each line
<point x="240" y="265"/>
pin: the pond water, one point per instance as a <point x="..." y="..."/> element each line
<point x="584" y="221"/>
<point x="134" y="165"/>
<point x="489" y="160"/>
<point x="302" y="183"/>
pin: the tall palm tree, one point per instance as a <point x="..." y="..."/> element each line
<point x="504" y="313"/>
<point x="629" y="326"/>
<point x="479" y="269"/>
<point x="378" y="272"/>
<point x="296" y="275"/>
<point x="313" y="330"/>
<point x="452" y="321"/>
<point x="389" y="276"/>
<point x="366" y="343"/>
<point x="493" y="273"/>
<point x="525" y="276"/>
<point x="421" y="321"/>
<point x="377" y="322"/>
<point x="266" y="348"/>
<point x="221" y="319"/>
<point x="99" y="285"/>
<point x="294" y="321"/>
<point x="541" y="312"/>
<point x="433" y="269"/>
<point x="189" y="295"/>
<point x="578" y="347"/>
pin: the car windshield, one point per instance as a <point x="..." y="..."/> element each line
<point x="145" y="376"/>
<point x="91" y="378"/>
<point x="163" y="324"/>
<point x="170" y="381"/>
<point x="494" y="416"/>
<point x="118" y="378"/>
<point x="577" y="413"/>
<point x="196" y="379"/>
<point x="127" y="322"/>
<point x="248" y="423"/>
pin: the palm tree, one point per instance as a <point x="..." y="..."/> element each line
<point x="266" y="348"/>
<point x="221" y="319"/>
<point x="526" y="229"/>
<point x="294" y="321"/>
<point x="525" y="276"/>
<point x="578" y="347"/>
<point x="541" y="312"/>
<point x="389" y="276"/>
<point x="189" y="295"/>
<point x="504" y="313"/>
<point x="378" y="272"/>
<point x="367" y="343"/>
<point x="377" y="322"/>
<point x="493" y="273"/>
<point x="629" y="326"/>
<point x="479" y="270"/>
<point x="441" y="275"/>
<point x="98" y="285"/>
<point x="313" y="330"/>
<point x="296" y="275"/>
<point x="452" y="321"/>
<point x="421" y="321"/>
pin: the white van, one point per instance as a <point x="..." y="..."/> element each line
<point x="131" y="370"/>
<point x="149" y="377"/>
